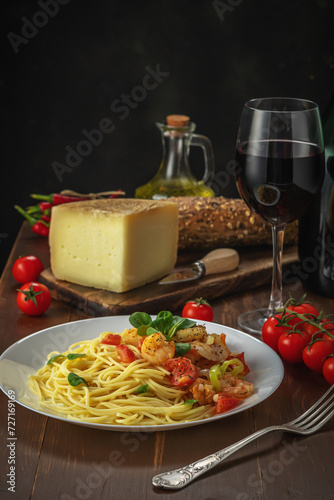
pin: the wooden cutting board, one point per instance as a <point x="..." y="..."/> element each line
<point x="254" y="270"/>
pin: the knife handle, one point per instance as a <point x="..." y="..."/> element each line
<point x="220" y="260"/>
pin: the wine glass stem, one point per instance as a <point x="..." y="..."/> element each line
<point x="276" y="296"/>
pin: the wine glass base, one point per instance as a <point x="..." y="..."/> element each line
<point x="252" y="321"/>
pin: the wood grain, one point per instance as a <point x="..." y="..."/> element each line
<point x="58" y="460"/>
<point x="254" y="270"/>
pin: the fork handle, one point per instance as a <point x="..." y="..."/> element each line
<point x="178" y="478"/>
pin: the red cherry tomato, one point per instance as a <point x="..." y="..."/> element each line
<point x="27" y="268"/>
<point x="328" y="369"/>
<point x="303" y="308"/>
<point x="330" y="328"/>
<point x="310" y="329"/>
<point x="125" y="353"/>
<point x="292" y="344"/>
<point x="315" y="353"/>
<point x="183" y="372"/>
<point x="198" y="309"/>
<point x="111" y="339"/>
<point x="33" y="298"/>
<point x="271" y="332"/>
<point x="224" y="403"/>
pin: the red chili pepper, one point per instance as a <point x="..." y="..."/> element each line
<point x="44" y="206"/>
<point x="59" y="199"/>
<point x="117" y="194"/>
<point x="46" y="218"/>
<point x="38" y="226"/>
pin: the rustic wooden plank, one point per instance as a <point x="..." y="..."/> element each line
<point x="254" y="270"/>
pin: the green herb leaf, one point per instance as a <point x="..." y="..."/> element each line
<point x="163" y="322"/>
<point x="181" y="348"/>
<point x="54" y="358"/>
<point x="179" y="324"/>
<point x="69" y="356"/>
<point x="191" y="401"/>
<point x="74" y="356"/>
<point x="143" y="389"/>
<point x="142" y="330"/>
<point x="150" y="330"/>
<point x="138" y="319"/>
<point x="75" y="380"/>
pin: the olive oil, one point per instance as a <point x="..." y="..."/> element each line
<point x="174" y="177"/>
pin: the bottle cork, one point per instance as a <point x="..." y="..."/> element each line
<point x="178" y="120"/>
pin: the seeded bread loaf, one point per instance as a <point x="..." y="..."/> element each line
<point x="223" y="222"/>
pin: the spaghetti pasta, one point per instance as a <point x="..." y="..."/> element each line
<point x="114" y="392"/>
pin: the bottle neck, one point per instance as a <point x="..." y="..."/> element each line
<point x="175" y="155"/>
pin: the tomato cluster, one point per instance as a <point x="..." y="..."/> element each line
<point x="300" y="334"/>
<point x="32" y="298"/>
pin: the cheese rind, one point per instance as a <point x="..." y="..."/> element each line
<point x="113" y="244"/>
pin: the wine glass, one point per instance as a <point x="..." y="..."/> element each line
<point x="280" y="171"/>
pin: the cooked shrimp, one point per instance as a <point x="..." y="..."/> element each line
<point x="213" y="351"/>
<point x="202" y="391"/>
<point x="156" y="349"/>
<point x="233" y="386"/>
<point x="191" y="334"/>
<point x="131" y="337"/>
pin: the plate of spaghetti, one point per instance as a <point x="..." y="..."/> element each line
<point x="129" y="373"/>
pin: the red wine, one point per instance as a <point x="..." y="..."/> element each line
<point x="279" y="180"/>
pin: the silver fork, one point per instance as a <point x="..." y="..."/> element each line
<point x="308" y="423"/>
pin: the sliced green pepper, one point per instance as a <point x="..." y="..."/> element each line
<point x="217" y="371"/>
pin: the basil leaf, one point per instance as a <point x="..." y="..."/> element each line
<point x="151" y="330"/>
<point x="181" y="348"/>
<point x="138" y="319"/>
<point x="179" y="324"/>
<point x="69" y="356"/>
<point x="54" y="358"/>
<point x="163" y="322"/>
<point x="75" y="380"/>
<point x="190" y="401"/>
<point x="143" y="389"/>
<point x="142" y="330"/>
<point x="74" y="356"/>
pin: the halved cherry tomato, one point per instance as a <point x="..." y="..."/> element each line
<point x="226" y="403"/>
<point x="125" y="353"/>
<point x="292" y="344"/>
<point x="33" y="298"/>
<point x="271" y="332"/>
<point x="183" y="372"/>
<point x="198" y="309"/>
<point x="315" y="353"/>
<point x="328" y="369"/>
<point x="27" y="268"/>
<point x="112" y="339"/>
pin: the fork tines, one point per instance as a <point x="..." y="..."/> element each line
<point x="318" y="414"/>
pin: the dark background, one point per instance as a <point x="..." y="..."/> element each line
<point x="62" y="72"/>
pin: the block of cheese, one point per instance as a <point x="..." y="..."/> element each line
<point x="113" y="244"/>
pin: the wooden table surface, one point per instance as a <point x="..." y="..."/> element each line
<point x="55" y="460"/>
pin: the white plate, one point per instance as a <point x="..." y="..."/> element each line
<point x="29" y="354"/>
